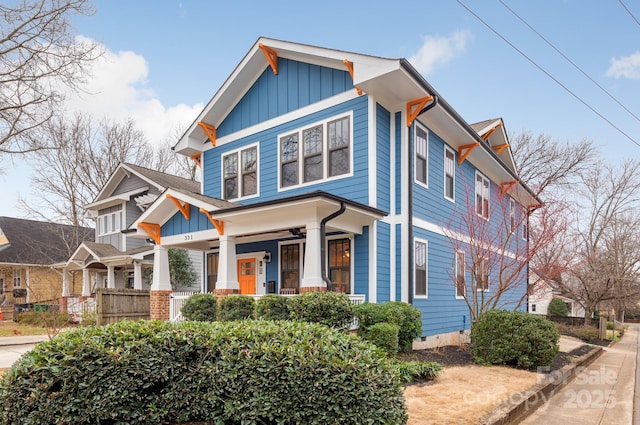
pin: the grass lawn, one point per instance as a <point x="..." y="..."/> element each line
<point x="11" y="328"/>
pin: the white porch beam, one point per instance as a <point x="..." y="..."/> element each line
<point x="312" y="277"/>
<point x="111" y="278"/>
<point x="65" y="282"/>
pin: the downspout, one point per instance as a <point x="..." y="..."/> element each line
<point x="323" y="249"/>
<point x="410" y="198"/>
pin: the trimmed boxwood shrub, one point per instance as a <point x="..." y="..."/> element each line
<point x="383" y="335"/>
<point x="332" y="309"/>
<point x="235" y="307"/>
<point x="232" y="373"/>
<point x="406" y="316"/>
<point x="273" y="307"/>
<point x="557" y="307"/>
<point x="514" y="338"/>
<point x="200" y="307"/>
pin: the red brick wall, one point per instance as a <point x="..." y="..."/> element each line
<point x="159" y="305"/>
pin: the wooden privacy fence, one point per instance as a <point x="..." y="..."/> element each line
<point x="113" y="305"/>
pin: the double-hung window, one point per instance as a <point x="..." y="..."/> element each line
<point x="482" y="195"/>
<point x="422" y="156"/>
<point x="512" y="215"/>
<point x="420" y="269"/>
<point x="449" y="174"/>
<point x="461" y="283"/>
<point x="482" y="274"/>
<point x="311" y="154"/>
<point x="17" y="278"/>
<point x="240" y="173"/>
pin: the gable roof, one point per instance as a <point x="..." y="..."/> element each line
<point x="157" y="179"/>
<point x="391" y="82"/>
<point x="38" y="242"/>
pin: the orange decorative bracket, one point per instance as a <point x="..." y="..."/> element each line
<point x="414" y="107"/>
<point x="490" y="132"/>
<point x="500" y="148"/>
<point x="272" y="57"/>
<point x="219" y="225"/>
<point x="532" y="208"/>
<point x="153" y="230"/>
<point x="349" y="66"/>
<point x="504" y="187"/>
<point x="465" y="150"/>
<point x="184" y="209"/>
<point x="196" y="159"/>
<point x="209" y="130"/>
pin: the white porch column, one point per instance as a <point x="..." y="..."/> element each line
<point x="227" y="267"/>
<point x="161" y="277"/>
<point x="137" y="275"/>
<point x="111" y="278"/>
<point x="65" y="283"/>
<point x="312" y="279"/>
<point x="86" y="285"/>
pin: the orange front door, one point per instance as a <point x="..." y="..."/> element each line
<point x="247" y="276"/>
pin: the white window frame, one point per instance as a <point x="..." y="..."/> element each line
<point x="525" y="225"/>
<point x="326" y="152"/>
<point x="482" y="269"/>
<point x="301" y="243"/>
<point x="239" y="172"/>
<point x="457" y="270"/>
<point x="17" y="278"/>
<point x="512" y="215"/>
<point x="483" y="190"/>
<point x="424" y="242"/>
<point x="351" y="262"/>
<point x="424" y="156"/>
<point x="110" y="223"/>
<point x="447" y="149"/>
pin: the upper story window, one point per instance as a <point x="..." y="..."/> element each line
<point x="420" y="269"/>
<point x="314" y="153"/>
<point x="461" y="283"/>
<point x="525" y="224"/>
<point x="449" y="174"/>
<point x="482" y="274"/>
<point x="240" y="173"/>
<point x="422" y="156"/>
<point x="109" y="223"/>
<point x="482" y="195"/>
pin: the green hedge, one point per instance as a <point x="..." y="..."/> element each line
<point x="332" y="309"/>
<point x="514" y="338"/>
<point x="557" y="307"/>
<point x="235" y="307"/>
<point x="231" y="373"/>
<point x="407" y="317"/>
<point x="200" y="307"/>
<point x="383" y="335"/>
<point x="273" y="307"/>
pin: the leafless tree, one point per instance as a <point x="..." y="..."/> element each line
<point x="606" y="267"/>
<point x="70" y="177"/>
<point x="39" y="60"/>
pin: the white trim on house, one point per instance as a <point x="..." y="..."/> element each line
<point x="373" y="264"/>
<point x="404" y="216"/>
<point x="116" y="199"/>
<point x="372" y="152"/>
<point x="426" y="267"/>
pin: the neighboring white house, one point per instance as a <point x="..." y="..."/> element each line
<point x="542" y="292"/>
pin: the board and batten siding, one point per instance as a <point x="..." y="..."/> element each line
<point x="178" y="225"/>
<point x="128" y="184"/>
<point x="296" y="85"/>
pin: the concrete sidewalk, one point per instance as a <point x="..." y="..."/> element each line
<point x="602" y="393"/>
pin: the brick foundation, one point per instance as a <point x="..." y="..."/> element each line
<point x="63" y="305"/>
<point x="224" y="292"/>
<point x="159" y="305"/>
<point x="304" y="289"/>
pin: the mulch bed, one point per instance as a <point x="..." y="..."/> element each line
<point x="450" y="355"/>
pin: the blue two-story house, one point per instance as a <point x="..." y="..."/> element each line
<point x="330" y="170"/>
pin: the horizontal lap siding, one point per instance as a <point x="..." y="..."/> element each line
<point x="441" y="311"/>
<point x="383" y="262"/>
<point x="354" y="187"/>
<point x="398" y="260"/>
<point x="361" y="263"/>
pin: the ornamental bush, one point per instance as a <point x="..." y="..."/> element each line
<point x="232" y="373"/>
<point x="235" y="307"/>
<point x="383" y="335"/>
<point x="332" y="309"/>
<point x="514" y="338"/>
<point x="407" y="317"/>
<point x="200" y="307"/>
<point x="557" y="307"/>
<point x="273" y="307"/>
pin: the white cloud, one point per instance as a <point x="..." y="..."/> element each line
<point x="117" y="89"/>
<point x="439" y="50"/>
<point x="626" y="66"/>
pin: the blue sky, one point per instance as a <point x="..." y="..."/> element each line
<point x="165" y="59"/>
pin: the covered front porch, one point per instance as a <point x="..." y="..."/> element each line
<point x="302" y="243"/>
